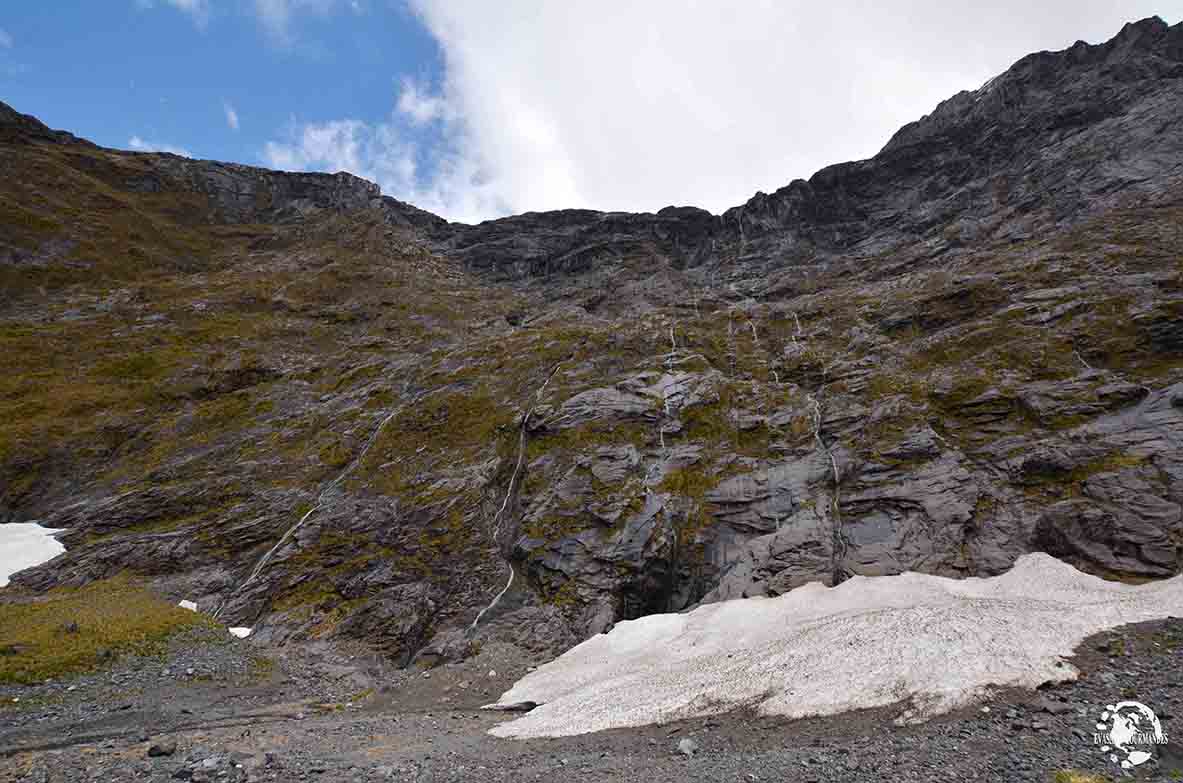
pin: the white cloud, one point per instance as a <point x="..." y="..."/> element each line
<point x="418" y="104"/>
<point x="5" y="39"/>
<point x="456" y="186"/>
<point x="140" y="145"/>
<point x="276" y="16"/>
<point x="198" y="10"/>
<point x="634" y="106"/>
<point x="231" y="115"/>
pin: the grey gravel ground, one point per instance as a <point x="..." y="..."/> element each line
<point x="217" y="709"/>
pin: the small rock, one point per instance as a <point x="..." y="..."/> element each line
<point x="1054" y="707"/>
<point x="165" y="748"/>
<point x="517" y="706"/>
<point x="492" y="673"/>
<point x="687" y="747"/>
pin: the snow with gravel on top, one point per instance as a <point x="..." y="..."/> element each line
<point x="869" y="642"/>
<point x="24" y="545"/>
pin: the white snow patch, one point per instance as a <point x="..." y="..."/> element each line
<point x="24" y="545"/>
<point x="190" y="605"/>
<point x="241" y="633"/>
<point x="870" y="642"/>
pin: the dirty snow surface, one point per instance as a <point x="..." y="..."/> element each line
<point x="24" y="545"/>
<point x="871" y="641"/>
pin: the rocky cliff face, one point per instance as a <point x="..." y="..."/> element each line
<point x="318" y="411"/>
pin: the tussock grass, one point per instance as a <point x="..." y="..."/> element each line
<point x="73" y="630"/>
<point x="1073" y="776"/>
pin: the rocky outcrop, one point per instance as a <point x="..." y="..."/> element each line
<point x="15" y="126"/>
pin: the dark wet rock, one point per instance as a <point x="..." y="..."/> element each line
<point x="166" y="748"/>
<point x="399" y="618"/>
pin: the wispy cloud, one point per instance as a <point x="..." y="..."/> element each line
<point x="231" y="115"/>
<point x="198" y="10"/>
<point x="373" y="152"/>
<point x="5" y="39"/>
<point x="277" y="16"/>
<point x="141" y="145"/>
<point x="418" y="104"/>
<point x="456" y="184"/>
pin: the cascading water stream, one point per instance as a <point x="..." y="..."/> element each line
<point x="498" y="517"/>
<point x="262" y="562"/>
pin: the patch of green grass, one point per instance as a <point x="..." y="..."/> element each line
<point x="1072" y="481"/>
<point x="335" y="454"/>
<point x="136" y="367"/>
<point x="690" y="482"/>
<point x="76" y="629"/>
<point x="586" y="437"/>
<point x="566" y="595"/>
<point x="888" y="384"/>
<point x="1075" y="776"/>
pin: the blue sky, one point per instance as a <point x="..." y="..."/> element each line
<point x="112" y="71"/>
<point x="479" y="108"/>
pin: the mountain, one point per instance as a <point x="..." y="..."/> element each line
<point x="319" y="412"/>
